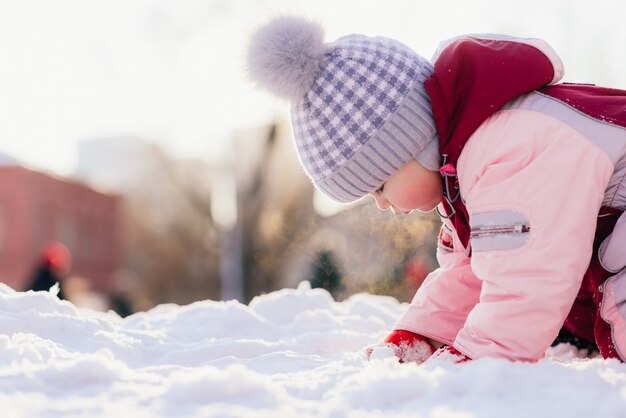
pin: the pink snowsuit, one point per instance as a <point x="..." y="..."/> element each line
<point x="541" y="177"/>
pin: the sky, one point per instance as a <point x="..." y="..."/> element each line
<point x="172" y="72"/>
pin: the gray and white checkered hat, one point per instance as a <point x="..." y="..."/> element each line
<point x="359" y="109"/>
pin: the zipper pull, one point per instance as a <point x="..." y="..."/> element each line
<point x="448" y="170"/>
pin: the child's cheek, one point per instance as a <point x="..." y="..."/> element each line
<point x="409" y="200"/>
<point x="424" y="197"/>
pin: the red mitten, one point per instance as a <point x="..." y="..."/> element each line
<point x="450" y="354"/>
<point x="409" y="346"/>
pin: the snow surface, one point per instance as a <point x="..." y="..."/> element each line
<point x="291" y="353"/>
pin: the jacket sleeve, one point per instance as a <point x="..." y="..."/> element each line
<point x="533" y="187"/>
<point x="441" y="305"/>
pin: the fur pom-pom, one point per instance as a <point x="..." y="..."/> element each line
<point x="284" y="56"/>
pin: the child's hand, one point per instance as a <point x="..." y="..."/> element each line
<point x="449" y="354"/>
<point x="407" y="346"/>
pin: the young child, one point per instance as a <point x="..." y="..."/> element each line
<point x="527" y="175"/>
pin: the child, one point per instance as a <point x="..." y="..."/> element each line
<point x="528" y="177"/>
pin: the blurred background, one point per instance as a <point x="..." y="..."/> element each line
<point x="139" y="166"/>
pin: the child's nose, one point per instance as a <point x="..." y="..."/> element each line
<point x="381" y="202"/>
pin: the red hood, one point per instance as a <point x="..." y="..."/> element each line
<point x="474" y="78"/>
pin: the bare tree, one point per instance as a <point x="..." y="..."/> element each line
<point x="172" y="238"/>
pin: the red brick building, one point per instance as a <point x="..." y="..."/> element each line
<point x="36" y="208"/>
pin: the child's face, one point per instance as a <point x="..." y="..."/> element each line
<point x="412" y="187"/>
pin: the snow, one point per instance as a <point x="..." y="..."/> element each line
<point x="290" y="353"/>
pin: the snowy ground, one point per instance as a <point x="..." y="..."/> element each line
<point x="292" y="353"/>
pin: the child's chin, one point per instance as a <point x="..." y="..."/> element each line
<point x="426" y="208"/>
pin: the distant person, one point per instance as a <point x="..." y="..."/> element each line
<point x="54" y="265"/>
<point x="121" y="305"/>
<point x="529" y="178"/>
<point x="123" y="281"/>
<point x="325" y="273"/>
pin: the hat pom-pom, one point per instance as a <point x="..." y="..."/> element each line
<point x="284" y="56"/>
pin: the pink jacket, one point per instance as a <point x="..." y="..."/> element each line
<point x="533" y="177"/>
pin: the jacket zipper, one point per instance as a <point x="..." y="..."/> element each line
<point x="498" y="230"/>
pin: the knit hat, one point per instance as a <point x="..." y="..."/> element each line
<point x="359" y="109"/>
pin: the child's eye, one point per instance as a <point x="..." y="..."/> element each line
<point x="381" y="188"/>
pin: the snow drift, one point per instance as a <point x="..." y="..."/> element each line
<point x="295" y="352"/>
